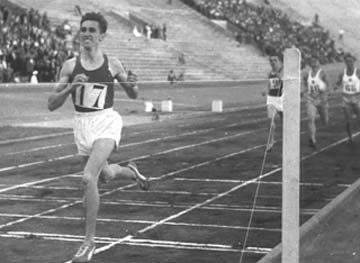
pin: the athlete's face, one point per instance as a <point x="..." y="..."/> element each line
<point x="349" y="61"/>
<point x="274" y="62"/>
<point x="90" y="35"/>
<point x="314" y="63"/>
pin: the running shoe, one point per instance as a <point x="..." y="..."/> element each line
<point x="84" y="254"/>
<point x="142" y="181"/>
<point x="312" y="144"/>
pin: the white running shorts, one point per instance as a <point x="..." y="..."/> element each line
<point x="91" y="126"/>
<point x="274" y="104"/>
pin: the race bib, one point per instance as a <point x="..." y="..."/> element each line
<point x="275" y="83"/>
<point x="91" y="95"/>
<point x="350" y="88"/>
<point x="314" y="89"/>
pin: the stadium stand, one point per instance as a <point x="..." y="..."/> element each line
<point x="267" y="26"/>
<point x="153" y="59"/>
<point x="211" y="52"/>
<point x="29" y="44"/>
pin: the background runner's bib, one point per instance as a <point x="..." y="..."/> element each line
<point x="276" y="84"/>
<point x="98" y="92"/>
<point x="316" y="86"/>
<point x="351" y="84"/>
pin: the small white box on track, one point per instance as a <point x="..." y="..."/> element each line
<point x="166" y="106"/>
<point x="148" y="106"/>
<point x="217" y="106"/>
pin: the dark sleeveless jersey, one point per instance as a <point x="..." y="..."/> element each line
<point x="276" y="84"/>
<point x="98" y="92"/>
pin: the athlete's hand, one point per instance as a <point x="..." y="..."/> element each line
<point x="79" y="79"/>
<point x="132" y="78"/>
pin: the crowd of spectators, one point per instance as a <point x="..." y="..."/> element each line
<point x="30" y="46"/>
<point x="268" y="27"/>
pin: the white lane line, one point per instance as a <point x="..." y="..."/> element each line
<point x="138" y="242"/>
<point x="156" y="102"/>
<point x="125" y="187"/>
<point x="28" y="184"/>
<point x="33" y="138"/>
<point x="165" y="192"/>
<point x="172" y="217"/>
<point x="36" y="149"/>
<point x="206" y="180"/>
<point x="130" y="144"/>
<point x="146" y="141"/>
<point x="9" y="168"/>
<point x="147" y="222"/>
<point x="258" y="209"/>
<point x="129" y="237"/>
<point x="166" y="175"/>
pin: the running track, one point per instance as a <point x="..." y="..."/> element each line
<point x="203" y="171"/>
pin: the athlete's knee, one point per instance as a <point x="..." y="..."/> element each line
<point x="106" y="175"/>
<point x="89" y="179"/>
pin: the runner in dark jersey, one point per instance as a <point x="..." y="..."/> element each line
<point x="89" y="79"/>
<point x="274" y="100"/>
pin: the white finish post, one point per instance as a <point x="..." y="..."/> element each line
<point x="291" y="158"/>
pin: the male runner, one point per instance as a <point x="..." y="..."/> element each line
<point x="316" y="86"/>
<point x="274" y="100"/>
<point x="89" y="79"/>
<point x="350" y="82"/>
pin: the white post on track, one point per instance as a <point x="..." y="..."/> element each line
<point x="291" y="158"/>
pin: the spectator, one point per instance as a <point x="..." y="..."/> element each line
<point x="3" y="67"/>
<point x="181" y="59"/>
<point x="182" y="66"/>
<point x="34" y="79"/>
<point x="164" y="32"/>
<point x="171" y="77"/>
<point x="148" y="31"/>
<point x="341" y="35"/>
<point x="267" y="26"/>
<point x="136" y="32"/>
<point x="28" y="43"/>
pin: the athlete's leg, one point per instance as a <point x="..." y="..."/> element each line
<point x="271" y="115"/>
<point x="112" y="171"/>
<point x="347" y="114"/>
<point x="101" y="151"/>
<point x="356" y="109"/>
<point x="115" y="171"/>
<point x="323" y="110"/>
<point x="311" y="112"/>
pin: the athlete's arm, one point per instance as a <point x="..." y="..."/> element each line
<point x="304" y="83"/>
<point x="127" y="80"/>
<point x="324" y="78"/>
<point x="62" y="88"/>
<point x="358" y="73"/>
<point x="268" y="87"/>
<point x="338" y="82"/>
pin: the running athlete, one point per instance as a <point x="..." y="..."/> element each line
<point x="316" y="86"/>
<point x="89" y="79"/>
<point x="350" y="82"/>
<point x="274" y="100"/>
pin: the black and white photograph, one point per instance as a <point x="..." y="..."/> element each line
<point x="177" y="131"/>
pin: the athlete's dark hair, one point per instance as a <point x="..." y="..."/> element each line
<point x="95" y="17"/>
<point x="272" y="52"/>
<point x="348" y="55"/>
